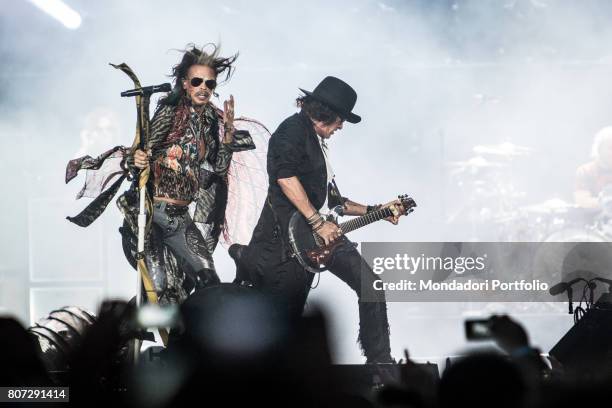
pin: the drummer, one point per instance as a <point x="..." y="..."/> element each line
<point x="593" y="177"/>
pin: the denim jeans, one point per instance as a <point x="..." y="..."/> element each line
<point x="176" y="231"/>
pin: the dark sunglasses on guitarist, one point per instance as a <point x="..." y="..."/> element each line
<point x="210" y="83"/>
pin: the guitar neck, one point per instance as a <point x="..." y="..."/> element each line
<point x="369" y="218"/>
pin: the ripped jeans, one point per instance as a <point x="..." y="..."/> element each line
<point x="290" y="284"/>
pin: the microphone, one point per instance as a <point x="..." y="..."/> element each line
<point x="571" y="283"/>
<point x="604" y="280"/>
<point x="558" y="288"/>
<point x="563" y="286"/>
<point x="148" y="90"/>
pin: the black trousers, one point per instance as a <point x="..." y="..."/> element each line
<point x="290" y="284"/>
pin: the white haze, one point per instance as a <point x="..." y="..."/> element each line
<point x="434" y="79"/>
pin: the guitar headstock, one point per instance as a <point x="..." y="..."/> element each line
<point x="407" y="204"/>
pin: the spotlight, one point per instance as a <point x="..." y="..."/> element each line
<point x="60" y="11"/>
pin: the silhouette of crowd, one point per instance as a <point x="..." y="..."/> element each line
<point x="232" y="347"/>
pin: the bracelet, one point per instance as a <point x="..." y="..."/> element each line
<point x="317" y="222"/>
<point x="314" y="214"/>
<point x="314" y="218"/>
<point x="319" y="225"/>
<point x="371" y="208"/>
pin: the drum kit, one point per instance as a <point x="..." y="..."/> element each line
<point x="495" y="208"/>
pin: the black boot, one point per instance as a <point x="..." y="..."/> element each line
<point x="243" y="278"/>
<point x="205" y="278"/>
<point x="236" y="251"/>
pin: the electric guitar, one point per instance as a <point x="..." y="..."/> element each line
<point x="309" y="248"/>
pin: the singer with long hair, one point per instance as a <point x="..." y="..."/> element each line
<point x="189" y="152"/>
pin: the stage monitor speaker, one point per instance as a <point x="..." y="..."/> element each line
<point x="587" y="346"/>
<point x="363" y="378"/>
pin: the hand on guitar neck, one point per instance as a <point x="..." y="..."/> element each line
<point x="353" y="208"/>
<point x="397" y="209"/>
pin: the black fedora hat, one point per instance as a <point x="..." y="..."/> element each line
<point x="338" y="95"/>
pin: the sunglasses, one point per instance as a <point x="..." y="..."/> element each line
<point x="210" y="83"/>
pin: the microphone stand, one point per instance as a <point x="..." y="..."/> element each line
<point x="143" y="176"/>
<point x="592" y="286"/>
<point x="590" y="302"/>
<point x="142" y="224"/>
<point x="143" y="96"/>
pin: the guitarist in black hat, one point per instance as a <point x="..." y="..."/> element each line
<point x="301" y="178"/>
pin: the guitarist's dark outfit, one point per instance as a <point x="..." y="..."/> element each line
<point x="294" y="150"/>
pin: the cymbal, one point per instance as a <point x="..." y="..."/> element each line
<point x="504" y="149"/>
<point x="475" y="162"/>
<point x="549" y="206"/>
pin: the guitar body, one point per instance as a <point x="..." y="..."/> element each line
<point x="309" y="250"/>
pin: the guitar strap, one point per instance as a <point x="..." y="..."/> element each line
<point x="334" y="196"/>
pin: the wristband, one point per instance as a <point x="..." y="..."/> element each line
<point x="371" y="208"/>
<point x="319" y="225"/>
<point x="313" y="218"/>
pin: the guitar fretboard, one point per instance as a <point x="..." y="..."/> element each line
<point x="364" y="220"/>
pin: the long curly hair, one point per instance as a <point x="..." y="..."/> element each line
<point x="207" y="55"/>
<point x="316" y="109"/>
